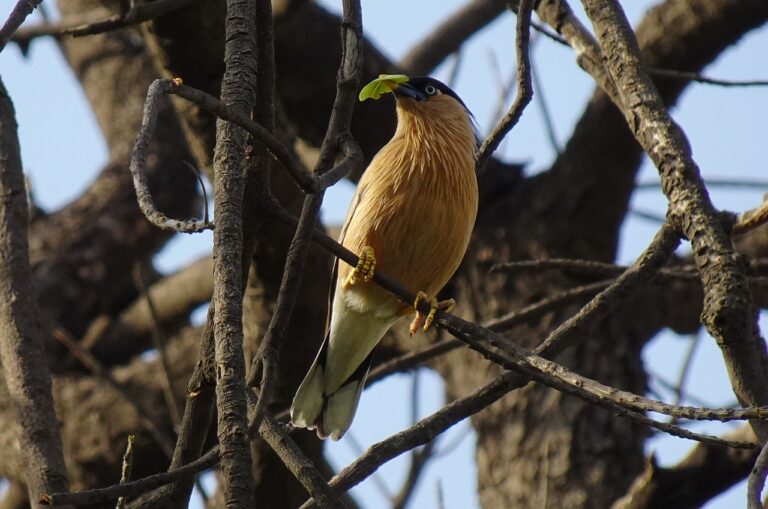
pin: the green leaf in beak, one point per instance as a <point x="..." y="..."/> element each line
<point x="384" y="84"/>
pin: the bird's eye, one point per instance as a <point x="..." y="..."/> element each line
<point x="430" y="90"/>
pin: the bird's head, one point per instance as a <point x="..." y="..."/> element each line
<point x="422" y="101"/>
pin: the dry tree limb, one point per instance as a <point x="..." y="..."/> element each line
<point x="125" y="474"/>
<point x="558" y="15"/>
<point x="751" y="219"/>
<point x="137" y="13"/>
<point x="161" y="438"/>
<point x="450" y="35"/>
<point x="139" y="162"/>
<point x="22" y="349"/>
<point x="756" y="480"/>
<point x="174" y="297"/>
<point x="21" y="10"/>
<point x="294" y="458"/>
<point x="704" y="473"/>
<point x="432" y="426"/>
<point x="158" y="342"/>
<point x="524" y="87"/>
<point x="729" y="313"/>
<point x="699" y="78"/>
<point x="337" y="137"/>
<point x="238" y="87"/>
<point x="211" y="104"/>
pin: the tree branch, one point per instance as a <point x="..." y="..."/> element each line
<point x="138" y="13"/>
<point x="524" y="87"/>
<point x="21" y="10"/>
<point x="22" y="350"/>
<point x="238" y="89"/>
<point x="729" y="314"/>
<point x="450" y="35"/>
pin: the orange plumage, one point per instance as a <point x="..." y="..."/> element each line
<point x="415" y="207"/>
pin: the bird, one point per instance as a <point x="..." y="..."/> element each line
<point x="411" y="218"/>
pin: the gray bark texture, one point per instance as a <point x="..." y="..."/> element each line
<point x="70" y="303"/>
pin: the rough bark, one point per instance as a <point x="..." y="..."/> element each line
<point x="536" y="446"/>
<point x="82" y="255"/>
<point x="22" y="346"/>
<point x="544" y="442"/>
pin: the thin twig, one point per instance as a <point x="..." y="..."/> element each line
<point x="125" y="474"/>
<point x="159" y="341"/>
<point x="728" y="313"/>
<point x="157" y="90"/>
<point x="133" y="488"/>
<point x="99" y="371"/>
<point x="756" y="480"/>
<point x="684" y="370"/>
<point x="139" y="13"/>
<point x="544" y="306"/>
<point x="546" y="115"/>
<point x="214" y="106"/>
<point x="337" y="136"/>
<point x="21" y="10"/>
<point x="450" y="35"/>
<point x="748" y="184"/>
<point x="524" y="87"/>
<point x="751" y="219"/>
<point x="358" y="450"/>
<point x="693" y="76"/>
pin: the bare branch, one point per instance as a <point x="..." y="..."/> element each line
<point x="21" y="10"/>
<point x="138" y="13"/>
<point x="751" y="219"/>
<point x="756" y="480"/>
<point x="706" y="471"/>
<point x="713" y="182"/>
<point x="449" y="36"/>
<point x="692" y="76"/>
<point x="259" y="132"/>
<point x="157" y="90"/>
<point x="125" y="474"/>
<point x="159" y="341"/>
<point x="22" y="350"/>
<point x="524" y="87"/>
<point x="297" y="462"/>
<point x="164" y="442"/>
<point x="728" y="314"/>
<point x="238" y="87"/>
<point x="337" y="136"/>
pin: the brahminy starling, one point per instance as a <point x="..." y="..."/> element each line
<point x="411" y="218"/>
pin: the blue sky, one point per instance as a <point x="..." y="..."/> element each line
<point x="62" y="150"/>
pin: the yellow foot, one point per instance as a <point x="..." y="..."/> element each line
<point x="426" y="320"/>
<point x="364" y="270"/>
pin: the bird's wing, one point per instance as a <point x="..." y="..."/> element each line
<point x="356" y="199"/>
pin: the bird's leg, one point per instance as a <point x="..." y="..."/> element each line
<point x="363" y="272"/>
<point x="434" y="305"/>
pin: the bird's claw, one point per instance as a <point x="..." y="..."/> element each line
<point x="363" y="272"/>
<point x="425" y="321"/>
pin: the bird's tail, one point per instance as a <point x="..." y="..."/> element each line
<point x="329" y="414"/>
